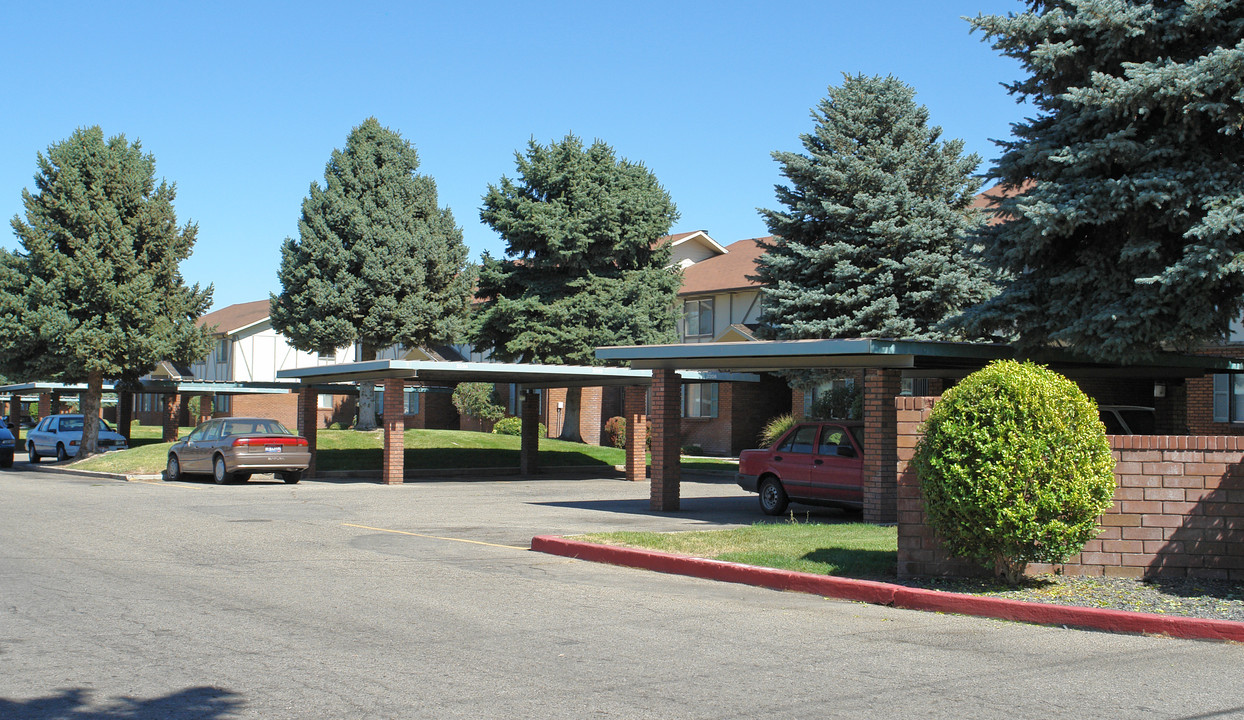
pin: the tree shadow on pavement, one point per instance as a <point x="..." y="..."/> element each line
<point x="205" y="703"/>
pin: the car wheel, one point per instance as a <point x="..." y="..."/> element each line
<point x="60" y="452"/>
<point x="219" y="473"/>
<point x="173" y="473"/>
<point x="32" y="453"/>
<point x="291" y="476"/>
<point x="773" y="498"/>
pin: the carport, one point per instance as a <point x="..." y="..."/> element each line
<point x="394" y="374"/>
<point x="885" y="363"/>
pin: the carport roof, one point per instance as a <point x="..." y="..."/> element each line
<point x="914" y="358"/>
<point x="190" y="387"/>
<point x="524" y="374"/>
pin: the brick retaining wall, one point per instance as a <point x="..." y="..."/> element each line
<point x="1178" y="510"/>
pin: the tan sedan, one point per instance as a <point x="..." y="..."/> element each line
<point x="231" y="449"/>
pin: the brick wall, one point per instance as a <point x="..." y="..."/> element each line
<point x="1178" y="510"/>
<point x="880" y="487"/>
<point x="282" y="407"/>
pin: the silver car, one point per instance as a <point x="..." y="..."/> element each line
<point x="231" y="449"/>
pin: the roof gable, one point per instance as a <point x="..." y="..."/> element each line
<point x="232" y="318"/>
<point x="725" y="272"/>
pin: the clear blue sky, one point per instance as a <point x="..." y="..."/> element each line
<point x="242" y="103"/>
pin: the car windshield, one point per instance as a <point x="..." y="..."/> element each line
<point x="255" y="427"/>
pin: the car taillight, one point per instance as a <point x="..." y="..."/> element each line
<point x="263" y="441"/>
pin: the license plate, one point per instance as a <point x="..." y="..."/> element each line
<point x="272" y="448"/>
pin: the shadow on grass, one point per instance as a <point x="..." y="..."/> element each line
<point x="856" y="563"/>
<point x="77" y="704"/>
<point x="449" y="459"/>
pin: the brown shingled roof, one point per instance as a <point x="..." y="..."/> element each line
<point x="234" y="317"/>
<point x="724" y="272"/>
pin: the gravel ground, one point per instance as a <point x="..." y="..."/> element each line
<point x="1190" y="597"/>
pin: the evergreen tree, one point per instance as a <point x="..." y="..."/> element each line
<point x="871" y="242"/>
<point x="583" y="267"/>
<point x="377" y="261"/>
<point x="95" y="291"/>
<point x="1126" y="224"/>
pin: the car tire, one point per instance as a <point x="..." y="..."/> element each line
<point x="219" y="473"/>
<point x="173" y="472"/>
<point x="291" y="477"/>
<point x="31" y="453"/>
<point x="773" y="498"/>
<point x="61" y="455"/>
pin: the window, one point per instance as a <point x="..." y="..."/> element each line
<point x="801" y="441"/>
<point x="325" y="402"/>
<point x="699" y="400"/>
<point x="1229" y="398"/>
<point x="325" y="359"/>
<point x="698" y="319"/>
<point x="837" y="399"/>
<point x="915" y="386"/>
<point x="222" y="351"/>
<point x="410" y="401"/>
<point x="223" y="403"/>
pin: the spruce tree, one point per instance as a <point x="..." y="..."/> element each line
<point x="95" y="290"/>
<point x="377" y="261"/>
<point x="1126" y="221"/>
<point x="872" y="240"/>
<point x="583" y="267"/>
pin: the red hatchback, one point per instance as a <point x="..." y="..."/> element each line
<point x="815" y="463"/>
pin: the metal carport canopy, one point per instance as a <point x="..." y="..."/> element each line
<point x="913" y="358"/>
<point x="525" y="375"/>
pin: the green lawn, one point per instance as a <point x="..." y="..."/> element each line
<point x="431" y="449"/>
<point x="851" y="550"/>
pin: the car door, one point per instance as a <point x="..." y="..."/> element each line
<point x="195" y="454"/>
<point x="792" y="461"/>
<point x="837" y="467"/>
<point x="44" y="436"/>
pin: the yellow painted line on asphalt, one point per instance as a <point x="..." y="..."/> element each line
<point x="435" y="537"/>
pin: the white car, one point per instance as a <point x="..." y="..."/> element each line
<point x="61" y="436"/>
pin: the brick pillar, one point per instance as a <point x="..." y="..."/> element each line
<point x="308" y="422"/>
<point x="529" y="449"/>
<point x="169" y="416"/>
<point x="15" y="417"/>
<point x="917" y="547"/>
<point x="634" y="409"/>
<point x="796" y="404"/>
<point x="590" y="422"/>
<point x="394" y="433"/>
<point x="666" y="439"/>
<point x="125" y="412"/>
<point x="45" y="406"/>
<point x="881" y="386"/>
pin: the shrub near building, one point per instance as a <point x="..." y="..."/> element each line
<point x="1015" y="468"/>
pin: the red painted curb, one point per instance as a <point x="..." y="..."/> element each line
<point x="879" y="593"/>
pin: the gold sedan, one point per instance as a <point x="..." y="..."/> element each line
<point x="231" y="449"/>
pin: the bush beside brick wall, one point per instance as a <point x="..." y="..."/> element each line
<point x="1178" y="511"/>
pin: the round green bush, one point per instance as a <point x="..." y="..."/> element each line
<point x="1015" y="468"/>
<point x="514" y="426"/>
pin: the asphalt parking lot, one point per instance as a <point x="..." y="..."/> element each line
<point x="352" y="599"/>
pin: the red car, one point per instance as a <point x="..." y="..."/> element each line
<point x="815" y="463"/>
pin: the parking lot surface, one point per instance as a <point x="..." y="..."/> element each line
<point x="352" y="599"/>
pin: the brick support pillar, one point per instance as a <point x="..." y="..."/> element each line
<point x="666" y="440"/>
<point x="169" y="416"/>
<point x="45" y="406"/>
<point x="634" y="409"/>
<point x="125" y="412"/>
<point x="308" y="422"/>
<point x="15" y="417"/>
<point x="529" y="448"/>
<point x="796" y="403"/>
<point x="394" y="433"/>
<point x="881" y="386"/>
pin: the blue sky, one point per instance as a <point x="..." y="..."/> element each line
<point x="242" y="103"/>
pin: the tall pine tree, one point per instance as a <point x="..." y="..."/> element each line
<point x="95" y="291"/>
<point x="377" y="261"/>
<point x="583" y="267"/>
<point x="1126" y="224"/>
<point x="871" y="242"/>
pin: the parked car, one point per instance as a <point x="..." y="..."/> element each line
<point x="1128" y="419"/>
<point x="25" y="420"/>
<point x="815" y="463"/>
<point x="7" y="447"/>
<point x="231" y="449"/>
<point x="61" y="435"/>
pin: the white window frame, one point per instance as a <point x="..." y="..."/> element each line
<point x="695" y="307"/>
<point x="410" y="400"/>
<point x="700" y="400"/>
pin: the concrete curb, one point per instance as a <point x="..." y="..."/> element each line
<point x="879" y="593"/>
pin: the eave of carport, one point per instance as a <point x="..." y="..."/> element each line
<point x="901" y="358"/>
<point x="394" y="374"/>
